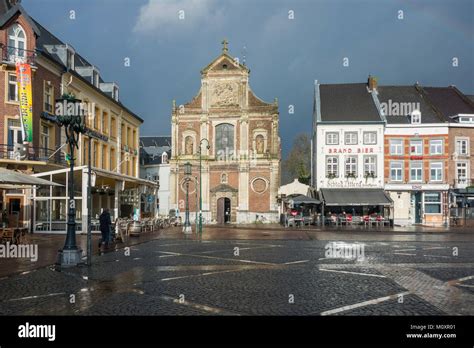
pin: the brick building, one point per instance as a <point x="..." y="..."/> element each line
<point x="19" y="35"/>
<point x="57" y="69"/>
<point x="241" y="168"/>
<point x="459" y="110"/>
<point x="416" y="156"/>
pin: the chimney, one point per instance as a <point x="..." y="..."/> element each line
<point x="372" y="82"/>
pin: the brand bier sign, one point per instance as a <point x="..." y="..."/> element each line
<point x="351" y="150"/>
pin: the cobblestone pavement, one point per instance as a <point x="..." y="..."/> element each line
<point x="255" y="277"/>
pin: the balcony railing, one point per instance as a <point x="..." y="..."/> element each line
<point x="12" y="152"/>
<point x="13" y="55"/>
<point x="463" y="182"/>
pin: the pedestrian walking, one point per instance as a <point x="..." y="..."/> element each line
<point x="105" y="224"/>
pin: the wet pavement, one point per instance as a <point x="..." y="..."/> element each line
<point x="252" y="271"/>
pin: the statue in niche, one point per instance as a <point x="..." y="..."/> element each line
<point x="188" y="145"/>
<point x="259" y="144"/>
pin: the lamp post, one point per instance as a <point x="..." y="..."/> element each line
<point x="196" y="200"/>
<point x="200" y="182"/>
<point x="187" y="229"/>
<point x="69" y="117"/>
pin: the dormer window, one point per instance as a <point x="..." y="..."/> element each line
<point x="466" y="119"/>
<point x="416" y="117"/>
<point x="16" y="43"/>
<point x="164" y="158"/>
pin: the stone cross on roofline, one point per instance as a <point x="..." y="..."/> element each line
<point x="224" y="45"/>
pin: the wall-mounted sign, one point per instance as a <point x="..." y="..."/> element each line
<point x="349" y="184"/>
<point x="352" y="150"/>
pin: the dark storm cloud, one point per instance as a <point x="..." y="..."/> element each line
<point x="285" y="55"/>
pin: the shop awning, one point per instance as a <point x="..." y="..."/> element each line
<point x="11" y="177"/>
<point x="354" y="197"/>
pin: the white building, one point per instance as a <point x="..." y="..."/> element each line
<point x="155" y="152"/>
<point x="348" y="149"/>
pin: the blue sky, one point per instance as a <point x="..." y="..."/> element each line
<point x="285" y="55"/>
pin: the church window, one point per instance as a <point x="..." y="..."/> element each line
<point x="224" y="141"/>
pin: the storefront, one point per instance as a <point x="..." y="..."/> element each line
<point x="121" y="194"/>
<point x="357" y="203"/>
<point x="420" y="204"/>
<point x="462" y="207"/>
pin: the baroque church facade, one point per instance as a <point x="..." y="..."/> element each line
<point x="236" y="136"/>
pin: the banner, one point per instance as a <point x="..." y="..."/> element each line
<point x="23" y="77"/>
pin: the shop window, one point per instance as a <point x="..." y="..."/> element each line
<point x="432" y="202"/>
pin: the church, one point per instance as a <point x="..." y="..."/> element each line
<point x="231" y="139"/>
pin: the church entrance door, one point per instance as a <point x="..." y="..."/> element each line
<point x="223" y="210"/>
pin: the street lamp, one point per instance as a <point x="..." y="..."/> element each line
<point x="200" y="182"/>
<point x="69" y="117"/>
<point x="187" y="172"/>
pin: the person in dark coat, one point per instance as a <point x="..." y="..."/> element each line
<point x="105" y="224"/>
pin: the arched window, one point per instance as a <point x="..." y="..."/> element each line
<point x="16" y="42"/>
<point x="188" y="145"/>
<point x="224" y="141"/>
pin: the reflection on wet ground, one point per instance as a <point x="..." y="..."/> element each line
<point x="165" y="273"/>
